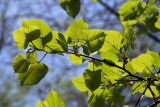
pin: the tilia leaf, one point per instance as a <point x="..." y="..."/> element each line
<point x="52" y="100"/>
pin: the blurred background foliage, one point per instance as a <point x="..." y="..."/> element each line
<point x="100" y="15"/>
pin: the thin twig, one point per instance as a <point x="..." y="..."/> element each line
<point x="152" y="94"/>
<point x="140" y="98"/>
<point x="43" y="57"/>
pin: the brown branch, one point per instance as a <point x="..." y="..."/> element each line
<point x="107" y="7"/>
<point x="140" y="98"/>
<point x="109" y="63"/>
<point x="153" y="95"/>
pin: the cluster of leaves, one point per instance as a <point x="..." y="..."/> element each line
<point x="105" y="51"/>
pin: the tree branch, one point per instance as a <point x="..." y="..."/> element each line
<point x="153" y="95"/>
<point x="107" y="7"/>
<point x="140" y="98"/>
<point x="109" y="63"/>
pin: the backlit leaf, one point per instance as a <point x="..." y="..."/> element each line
<point x="20" y="64"/>
<point x="79" y="83"/>
<point x="34" y="74"/>
<point x="72" y="7"/>
<point x="72" y="31"/>
<point x="76" y="59"/>
<point x="53" y="46"/>
<point x="93" y="38"/>
<point x="142" y="62"/>
<point x="92" y="79"/>
<point x="52" y="100"/>
<point x="111" y="46"/>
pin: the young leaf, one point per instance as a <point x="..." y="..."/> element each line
<point x="52" y="100"/>
<point x="157" y="24"/>
<point x="62" y="42"/>
<point x="20" y="64"/>
<point x="40" y="104"/>
<point x="111" y="46"/>
<point x="111" y="74"/>
<point x="38" y="24"/>
<point x="156" y="57"/>
<point x="53" y="46"/>
<point x="72" y="7"/>
<point x="149" y="94"/>
<point x="94" y="39"/>
<point x="20" y="39"/>
<point x="128" y="37"/>
<point x="130" y="9"/>
<point x="79" y="83"/>
<point x="114" y="97"/>
<point x="34" y="74"/>
<point x="45" y="34"/>
<point x="32" y="56"/>
<point x="97" y="98"/>
<point x="92" y="79"/>
<point x="151" y="23"/>
<point x="138" y="86"/>
<point x="142" y="62"/>
<point x="72" y="31"/>
<point x="76" y="59"/>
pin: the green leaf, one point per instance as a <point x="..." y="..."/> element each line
<point x="53" y="46"/>
<point x="130" y="9"/>
<point x="111" y="74"/>
<point x="62" y="42"/>
<point x="20" y="39"/>
<point x="130" y="22"/>
<point x="151" y="23"/>
<point x="142" y="62"/>
<point x="32" y="56"/>
<point x="94" y="39"/>
<point x="149" y="94"/>
<point x="138" y="86"/>
<point x="31" y="32"/>
<point x="128" y="37"/>
<point x="94" y="1"/>
<point x="40" y="104"/>
<point x="129" y="67"/>
<point x="52" y="100"/>
<point x="157" y="24"/>
<point x="114" y="97"/>
<point x="24" y="35"/>
<point x="79" y="83"/>
<point x="34" y="74"/>
<point x="72" y="7"/>
<point x="76" y="59"/>
<point x="92" y="79"/>
<point x="111" y="46"/>
<point x="72" y="31"/>
<point x="156" y="57"/>
<point x="20" y="64"/>
<point x="37" y="23"/>
<point x="97" y="98"/>
<point x="94" y="65"/>
<point x="41" y="42"/>
<point x="45" y="34"/>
